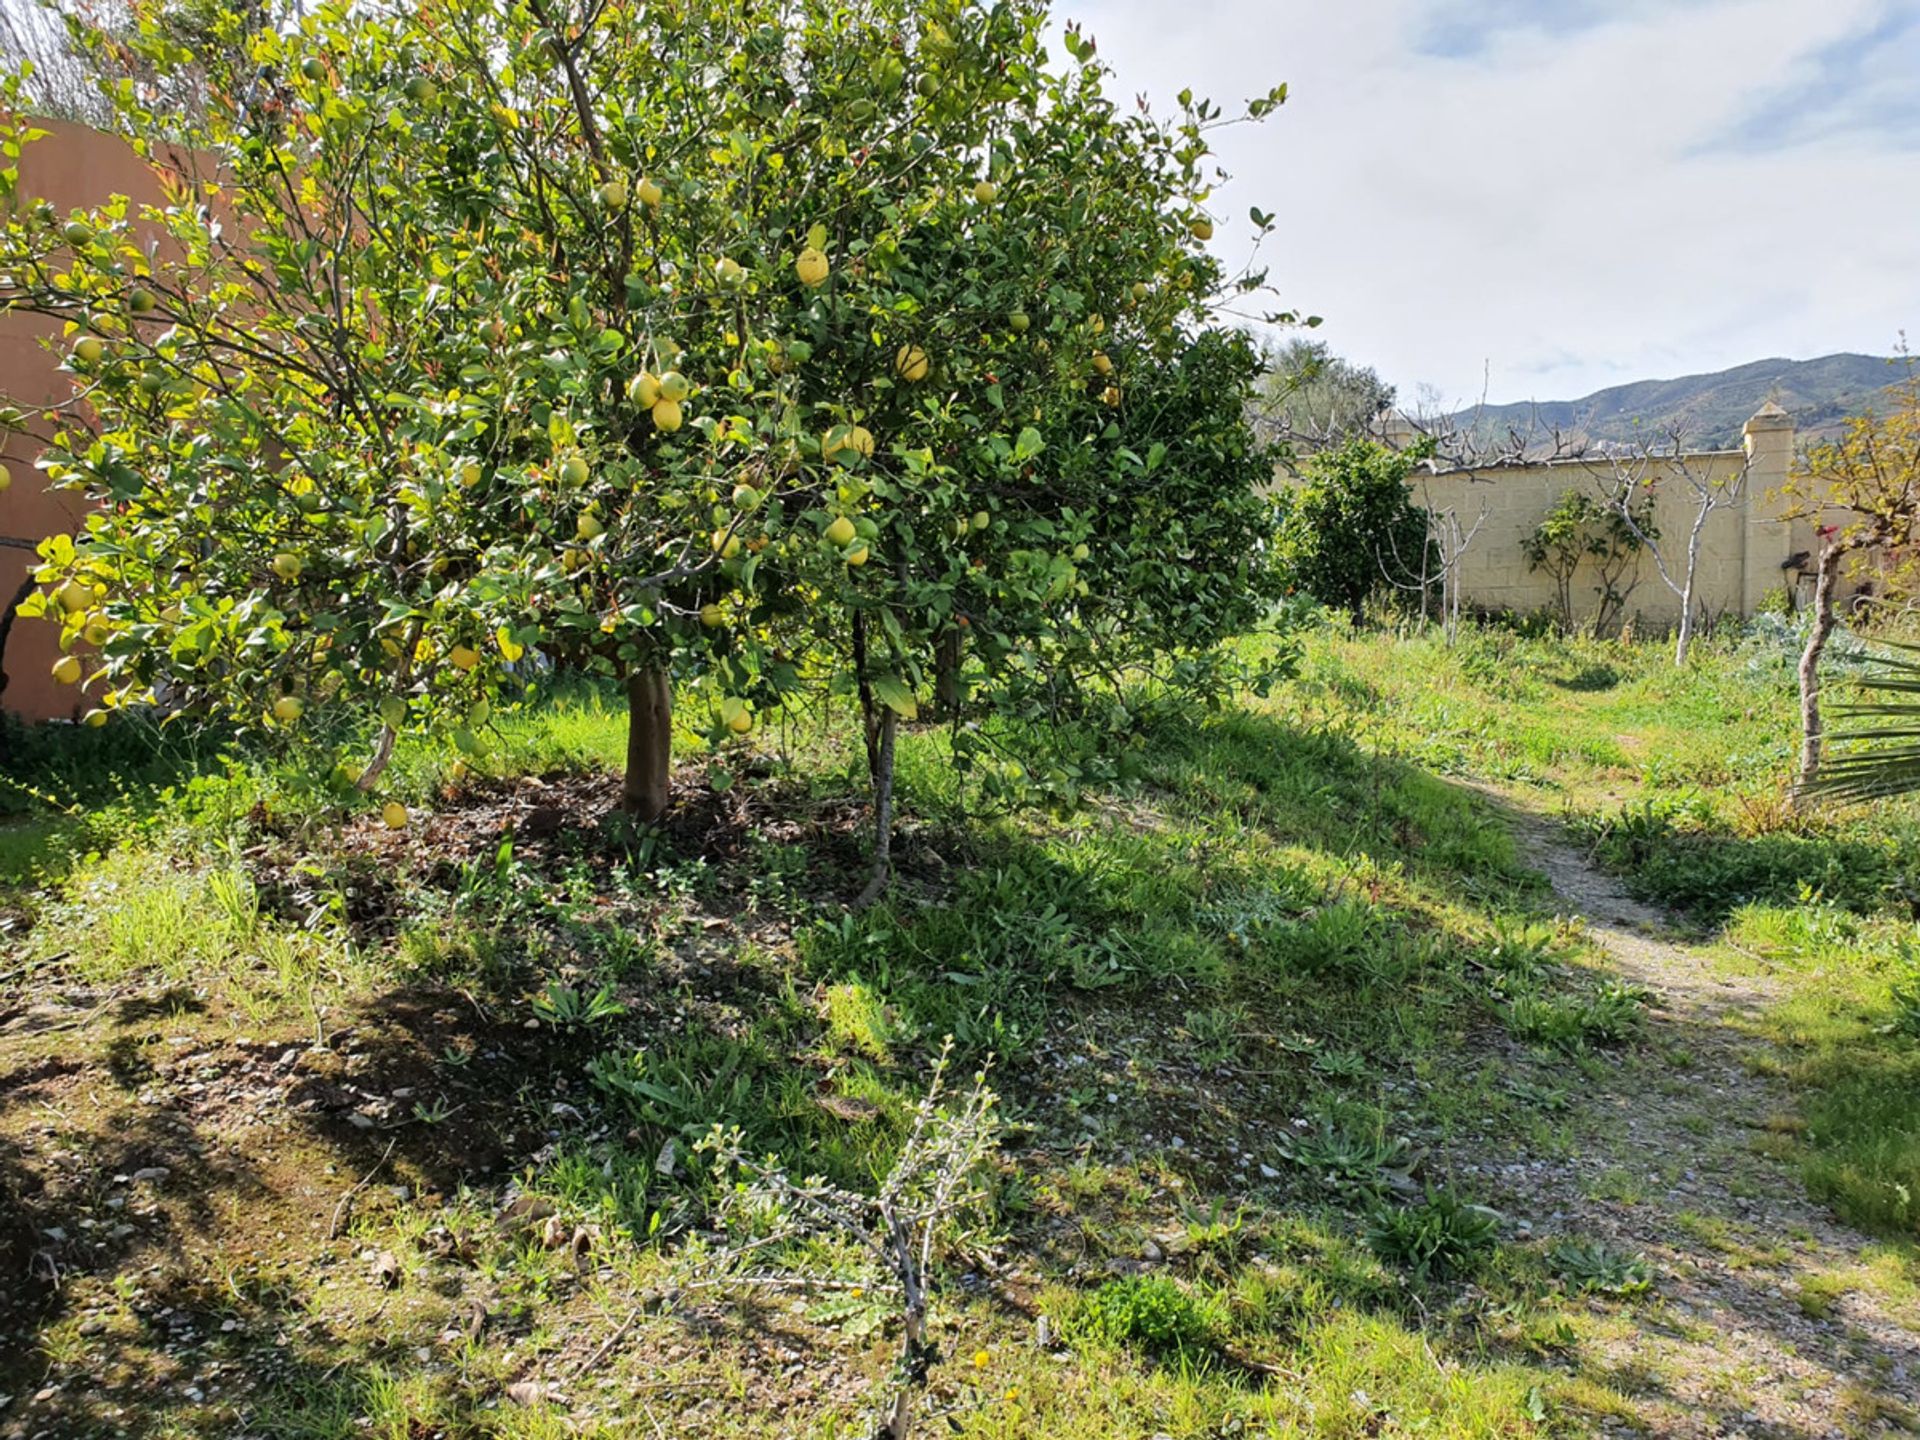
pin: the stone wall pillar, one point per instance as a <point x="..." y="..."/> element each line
<point x="1768" y="539"/>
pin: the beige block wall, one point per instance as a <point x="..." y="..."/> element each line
<point x="1742" y="551"/>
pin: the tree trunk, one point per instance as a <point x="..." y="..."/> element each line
<point x="1811" y="727"/>
<point x="946" y="674"/>
<point x="647" y="789"/>
<point x="882" y="810"/>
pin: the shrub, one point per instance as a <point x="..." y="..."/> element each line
<point x="1349" y="528"/>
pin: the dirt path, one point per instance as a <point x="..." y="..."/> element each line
<point x="1768" y="1317"/>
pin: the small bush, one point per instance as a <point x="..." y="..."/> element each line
<point x="1149" y="1310"/>
<point x="1439" y="1235"/>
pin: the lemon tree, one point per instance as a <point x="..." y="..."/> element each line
<point x="742" y="354"/>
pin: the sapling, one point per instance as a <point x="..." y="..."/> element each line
<point x="930" y="1202"/>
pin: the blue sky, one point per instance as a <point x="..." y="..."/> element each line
<point x="1544" y="197"/>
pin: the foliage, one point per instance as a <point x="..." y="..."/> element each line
<point x="1609" y="1014"/>
<point x="763" y="353"/>
<point x="1348" y="1159"/>
<point x="1349" y="528"/>
<point x="1591" y="1267"/>
<point x="1581" y="531"/>
<point x="1154" y="1311"/>
<point x="1440" y="1234"/>
<point x="1881" y="758"/>
<point x="1311" y="398"/>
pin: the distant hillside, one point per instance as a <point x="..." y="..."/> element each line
<point x="1710" y="408"/>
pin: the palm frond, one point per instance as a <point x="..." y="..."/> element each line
<point x="1881" y="760"/>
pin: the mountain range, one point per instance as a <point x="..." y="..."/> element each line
<point x="1707" y="409"/>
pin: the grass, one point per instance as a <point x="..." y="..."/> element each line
<point x="1253" y="1010"/>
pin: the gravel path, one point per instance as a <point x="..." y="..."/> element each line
<point x="1767" y="1319"/>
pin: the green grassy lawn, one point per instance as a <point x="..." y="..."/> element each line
<point x="424" y="1103"/>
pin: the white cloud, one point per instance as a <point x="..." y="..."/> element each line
<point x="1569" y="194"/>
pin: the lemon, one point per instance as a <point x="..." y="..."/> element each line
<point x="1202" y="229"/>
<point x="588" y="527"/>
<point x="74" y="596"/>
<point x="394" y="814"/>
<point x="727" y="272"/>
<point x="745" y="497"/>
<point x="94" y="719"/>
<point x="574" y="470"/>
<point x="66" y="670"/>
<point x="911" y="363"/>
<point x="1020" y="321"/>
<point x="288" y="565"/>
<point x="839" y="532"/>
<point x="470" y="474"/>
<point x="740" y="722"/>
<point x="1102" y="363"/>
<point x="88" y="349"/>
<point x="287" y="709"/>
<point x="674" y="386"/>
<point x="712" y="616"/>
<point x="986" y="192"/>
<point x="981" y="519"/>
<point x="650" y="194"/>
<point x="613" y="195"/>
<point x="644" y="389"/>
<point x="1139" y="291"/>
<point x="96" y="633"/>
<point x="811" y="267"/>
<point x="856" y="556"/>
<point x="726" y="544"/>
<point x="141" y="301"/>
<point x="666" y="416"/>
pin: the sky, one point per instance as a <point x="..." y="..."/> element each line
<point x="1535" y="199"/>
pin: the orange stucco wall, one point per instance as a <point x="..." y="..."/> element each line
<point x="72" y="166"/>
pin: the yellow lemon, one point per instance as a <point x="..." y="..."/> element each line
<point x="6" y="479"/>
<point x="574" y="470"/>
<point x="1102" y="363"/>
<point x="88" y="349"/>
<point x="986" y="192"/>
<point x="288" y="709"/>
<point x="470" y="474"/>
<point x="726" y="544"/>
<point x="613" y="195"/>
<point x="839" y="532"/>
<point x="911" y="363"/>
<point x="666" y="416"/>
<point x="1202" y="229"/>
<point x="94" y="719"/>
<point x="811" y="267"/>
<point x="712" y="616"/>
<point x="650" y="194"/>
<point x="856" y="556"/>
<point x="588" y="527"/>
<point x="644" y="390"/>
<point x="66" y="670"/>
<point x="674" y="386"/>
<point x="394" y="814"/>
<point x="288" y="565"/>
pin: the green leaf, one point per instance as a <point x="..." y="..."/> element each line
<point x="896" y="695"/>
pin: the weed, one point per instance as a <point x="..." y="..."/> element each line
<point x="1152" y="1311"/>
<point x="1589" y="1267"/>
<point x="564" y="1007"/>
<point x="1440" y="1234"/>
<point x="1347" y="1160"/>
